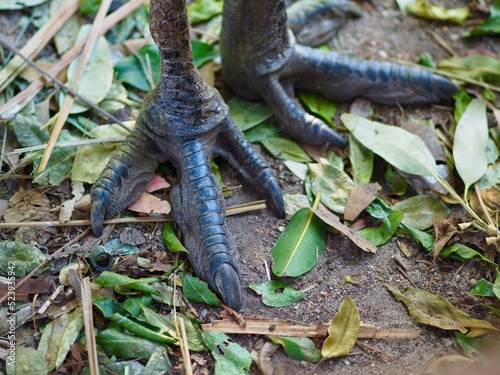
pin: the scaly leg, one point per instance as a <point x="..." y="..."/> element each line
<point x="185" y="121"/>
<point x="260" y="59"/>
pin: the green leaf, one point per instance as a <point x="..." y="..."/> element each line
<point x="98" y="75"/>
<point x="131" y="69"/>
<point x="285" y="149"/>
<point x="361" y="161"/>
<point x="335" y="186"/>
<point x="196" y="290"/>
<point x="437" y="311"/>
<point x="398" y="147"/>
<point x="483" y="288"/>
<point x="475" y="348"/>
<point x="203" y="10"/>
<point x="462" y="100"/>
<point x="496" y="285"/>
<point x="19" y="259"/>
<point x="193" y="331"/>
<point x="300" y="348"/>
<point x="399" y="186"/>
<point x="90" y="160"/>
<point x="427" y="60"/>
<point x="230" y="358"/>
<point x="469" y="145"/>
<point x="126" y="285"/>
<point x="343" y="331"/>
<point x="123" y="345"/>
<point x="170" y="239"/>
<point x="109" y="307"/>
<point x="28" y="361"/>
<point x="427" y="240"/>
<point x="383" y="233"/>
<point x="58" y="336"/>
<point x="491" y="26"/>
<point x="424" y="9"/>
<point x="58" y="167"/>
<point x="140" y="330"/>
<point x="462" y="253"/>
<point x="480" y="67"/>
<point x="89" y="6"/>
<point x="202" y="53"/>
<point x="266" y="129"/>
<point x="422" y="210"/>
<point x="300" y="245"/>
<point x="26" y="127"/>
<point x="275" y="293"/>
<point x="247" y="114"/>
<point x="19" y="4"/>
<point x="158" y="363"/>
<point x="318" y="105"/>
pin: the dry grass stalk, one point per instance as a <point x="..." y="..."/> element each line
<point x="69" y="99"/>
<point x="38" y="41"/>
<point x="88" y="322"/>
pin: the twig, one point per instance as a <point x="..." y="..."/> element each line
<point x="36" y="44"/>
<point x="14" y="105"/>
<point x="48" y="260"/>
<point x="69" y="99"/>
<point x="185" y="352"/>
<point x="241" y="322"/>
<point x="442" y="43"/>
<point x="66" y="88"/>
<point x="233" y="210"/>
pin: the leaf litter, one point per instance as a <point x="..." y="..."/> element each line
<point x="417" y="216"/>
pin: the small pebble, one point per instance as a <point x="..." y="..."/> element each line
<point x="472" y="282"/>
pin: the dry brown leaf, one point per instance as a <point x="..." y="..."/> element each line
<point x="360" y="198"/>
<point x="444" y="229"/>
<point x="333" y="220"/>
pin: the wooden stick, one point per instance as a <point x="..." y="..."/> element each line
<point x="233" y="210"/>
<point x="89" y="326"/>
<point x="69" y="99"/>
<point x="38" y="41"/>
<point x="264" y="326"/>
<point x="18" y="102"/>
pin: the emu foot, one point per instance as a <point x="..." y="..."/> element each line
<point x="198" y="207"/>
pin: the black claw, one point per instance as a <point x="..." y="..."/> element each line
<point x="228" y="286"/>
<point x="331" y="136"/>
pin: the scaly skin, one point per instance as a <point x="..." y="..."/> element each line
<point x="184" y="121"/>
<point x="265" y="62"/>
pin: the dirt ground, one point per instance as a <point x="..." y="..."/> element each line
<point x="382" y="33"/>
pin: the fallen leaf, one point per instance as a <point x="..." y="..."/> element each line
<point x="437" y="311"/>
<point x="300" y="245"/>
<point x="156" y="183"/>
<point x="343" y="331"/>
<point x="300" y="348"/>
<point x="334" y="221"/>
<point x="149" y="204"/>
<point x="359" y="199"/>
<point x="421" y="211"/>
<point x="58" y="336"/>
<point x="276" y="294"/>
<point x="444" y="229"/>
<point x="424" y="9"/>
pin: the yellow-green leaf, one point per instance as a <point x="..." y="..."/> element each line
<point x="343" y="331"/>
<point x="437" y="311"/>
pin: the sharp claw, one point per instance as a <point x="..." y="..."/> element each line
<point x="331" y="136"/>
<point x="274" y="192"/>
<point x="228" y="286"/>
<point x="98" y="212"/>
